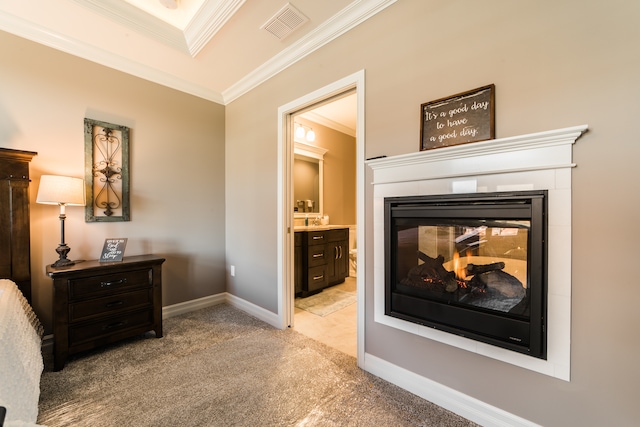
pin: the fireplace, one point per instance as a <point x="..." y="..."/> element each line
<point x="520" y="164"/>
<point x="470" y="264"/>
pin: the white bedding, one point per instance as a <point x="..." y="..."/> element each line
<point x="21" y="363"/>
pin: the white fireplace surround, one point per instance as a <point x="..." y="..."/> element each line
<point x="538" y="161"/>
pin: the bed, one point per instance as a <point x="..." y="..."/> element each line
<point x="21" y="362"/>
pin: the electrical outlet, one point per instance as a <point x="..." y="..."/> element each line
<point x="233" y="270"/>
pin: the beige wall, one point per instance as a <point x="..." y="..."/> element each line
<point x="554" y="64"/>
<point x="176" y="165"/>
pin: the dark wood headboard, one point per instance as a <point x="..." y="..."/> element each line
<point x="15" y="244"/>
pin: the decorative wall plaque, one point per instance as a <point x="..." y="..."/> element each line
<point x="106" y="171"/>
<point x="459" y="119"/>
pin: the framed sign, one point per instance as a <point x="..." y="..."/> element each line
<point x="106" y="153"/>
<point x="113" y="250"/>
<point x="459" y="119"/>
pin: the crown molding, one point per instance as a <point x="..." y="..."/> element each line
<point x="138" y="20"/>
<point x="350" y="17"/>
<point x="207" y="22"/>
<point x="19" y="27"/>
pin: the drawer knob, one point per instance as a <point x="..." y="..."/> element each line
<point x="114" y="283"/>
<point x="318" y="277"/>
<point x="321" y="255"/>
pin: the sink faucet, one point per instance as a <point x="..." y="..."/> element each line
<point x="316" y="220"/>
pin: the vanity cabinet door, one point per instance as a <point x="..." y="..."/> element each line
<point x="338" y="253"/>
<point x="342" y="261"/>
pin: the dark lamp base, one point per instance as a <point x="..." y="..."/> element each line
<point x="63" y="263"/>
<point x="63" y="250"/>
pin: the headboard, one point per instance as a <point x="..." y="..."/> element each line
<point x="15" y="245"/>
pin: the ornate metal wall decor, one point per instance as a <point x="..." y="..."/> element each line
<point x="106" y="171"/>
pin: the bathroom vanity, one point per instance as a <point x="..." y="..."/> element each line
<point x="321" y="258"/>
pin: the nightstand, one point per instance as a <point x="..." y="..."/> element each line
<point x="97" y="303"/>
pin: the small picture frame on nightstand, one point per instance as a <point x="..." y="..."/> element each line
<point x="113" y="250"/>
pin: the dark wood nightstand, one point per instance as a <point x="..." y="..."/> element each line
<point x="97" y="303"/>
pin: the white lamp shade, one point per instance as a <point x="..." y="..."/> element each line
<point x="61" y="190"/>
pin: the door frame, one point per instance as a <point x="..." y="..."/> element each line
<point x="285" y="246"/>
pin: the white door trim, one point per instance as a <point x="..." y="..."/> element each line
<point x="285" y="199"/>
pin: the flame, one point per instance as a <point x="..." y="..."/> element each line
<point x="458" y="268"/>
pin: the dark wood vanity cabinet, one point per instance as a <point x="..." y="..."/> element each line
<point x="321" y="259"/>
<point x="97" y="303"/>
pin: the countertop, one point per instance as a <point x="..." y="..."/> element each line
<point x="318" y="227"/>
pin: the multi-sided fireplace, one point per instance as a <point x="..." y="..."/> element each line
<point x="472" y="265"/>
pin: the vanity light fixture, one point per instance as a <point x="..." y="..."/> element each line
<point x="302" y="132"/>
<point x="62" y="191"/>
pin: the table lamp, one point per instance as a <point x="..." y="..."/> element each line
<point x="63" y="191"/>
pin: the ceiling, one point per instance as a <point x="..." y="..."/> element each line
<point x="213" y="49"/>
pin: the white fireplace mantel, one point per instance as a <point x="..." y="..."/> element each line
<point x="538" y="161"/>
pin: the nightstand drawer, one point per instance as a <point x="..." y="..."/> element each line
<point x="110" y="304"/>
<point x="108" y="283"/>
<point x="109" y="326"/>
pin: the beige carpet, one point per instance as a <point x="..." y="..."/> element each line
<point x="221" y="367"/>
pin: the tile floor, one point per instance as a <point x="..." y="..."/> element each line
<point x="338" y="329"/>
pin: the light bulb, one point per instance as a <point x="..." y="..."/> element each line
<point x="311" y="136"/>
<point x="299" y="132"/>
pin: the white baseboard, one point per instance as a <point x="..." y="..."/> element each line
<point x="254" y="310"/>
<point x="224" y="297"/>
<point x="448" y="398"/>
<point x="193" y="305"/>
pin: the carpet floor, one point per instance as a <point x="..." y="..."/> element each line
<point x="221" y="367"/>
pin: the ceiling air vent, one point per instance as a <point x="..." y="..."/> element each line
<point x="287" y="20"/>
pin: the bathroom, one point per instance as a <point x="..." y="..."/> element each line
<point x="324" y="193"/>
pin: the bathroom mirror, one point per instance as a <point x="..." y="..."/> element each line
<point x="308" y="165"/>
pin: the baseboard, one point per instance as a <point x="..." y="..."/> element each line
<point x="192" y="305"/>
<point x="448" y="398"/>
<point x="254" y="310"/>
<point x="224" y="297"/>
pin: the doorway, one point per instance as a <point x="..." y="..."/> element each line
<point x="286" y="117"/>
<point x="325" y="269"/>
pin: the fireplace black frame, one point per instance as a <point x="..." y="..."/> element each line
<point x="523" y="334"/>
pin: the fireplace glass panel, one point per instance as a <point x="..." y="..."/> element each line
<point x="479" y="263"/>
<point x="471" y="264"/>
